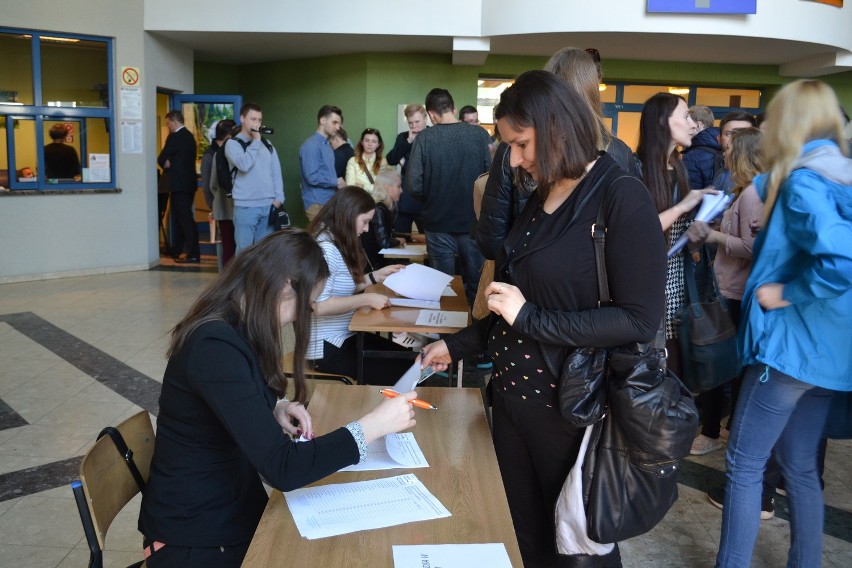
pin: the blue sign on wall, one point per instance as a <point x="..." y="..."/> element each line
<point x="703" y="6"/>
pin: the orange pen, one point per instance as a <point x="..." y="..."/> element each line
<point x="388" y="393"/>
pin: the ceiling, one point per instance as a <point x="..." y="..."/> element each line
<point x="244" y="48"/>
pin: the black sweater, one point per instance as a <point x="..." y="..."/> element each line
<point x="215" y="433"/>
<point x="558" y="279"/>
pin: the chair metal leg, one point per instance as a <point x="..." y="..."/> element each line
<point x="96" y="558"/>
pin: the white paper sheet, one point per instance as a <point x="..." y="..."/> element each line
<point x="438" y="318"/>
<point x="449" y="292"/>
<point x="418" y="282"/>
<point x="342" y="508"/>
<point x="711" y="207"/>
<point x="412" y="303"/>
<point x="412" y="377"/>
<point x="394" y="451"/>
<point x="493" y="555"/>
<point x="407" y="250"/>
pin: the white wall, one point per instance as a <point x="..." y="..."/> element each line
<point x="62" y="235"/>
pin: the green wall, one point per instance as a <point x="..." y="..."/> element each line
<point x="369" y="86"/>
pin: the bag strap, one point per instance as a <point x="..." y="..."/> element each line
<point x="126" y="454"/>
<point x="369" y="177"/>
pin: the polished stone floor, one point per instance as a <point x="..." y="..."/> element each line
<point x="78" y="354"/>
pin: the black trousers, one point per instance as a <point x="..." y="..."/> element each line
<point x="186" y="231"/>
<point x="197" y="557"/>
<point x="377" y="370"/>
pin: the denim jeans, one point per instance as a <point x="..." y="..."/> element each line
<point x="251" y="224"/>
<point x="774" y="409"/>
<point x="442" y="249"/>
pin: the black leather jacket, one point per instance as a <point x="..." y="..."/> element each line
<point x="501" y="204"/>
<point x="381" y="235"/>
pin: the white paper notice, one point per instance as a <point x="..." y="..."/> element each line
<point x="407" y="250"/>
<point x="342" y="508"/>
<point x="418" y="282"/>
<point x="394" y="451"/>
<point x="437" y="318"/>
<point x="493" y="555"/>
<point x="99" y="167"/>
<point x="131" y="137"/>
<point x="711" y="207"/>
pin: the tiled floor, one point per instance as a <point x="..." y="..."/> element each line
<point x="78" y="354"/>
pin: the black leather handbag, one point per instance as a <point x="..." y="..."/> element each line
<point x="706" y="332"/>
<point x="629" y="472"/>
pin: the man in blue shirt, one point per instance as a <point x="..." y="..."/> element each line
<point x="316" y="160"/>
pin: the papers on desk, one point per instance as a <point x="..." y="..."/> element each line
<point x="438" y="318"/>
<point x="342" y="508"/>
<point x="418" y="282"/>
<point x="393" y="451"/>
<point x="493" y="555"/>
<point x="448" y="291"/>
<point x="711" y="207"/>
<point x="407" y="250"/>
<point x="412" y="303"/>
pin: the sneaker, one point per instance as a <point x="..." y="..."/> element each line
<point x="716" y="496"/>
<point x="704" y="445"/>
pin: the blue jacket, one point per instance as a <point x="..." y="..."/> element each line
<point x="702" y="158"/>
<point x="807" y="246"/>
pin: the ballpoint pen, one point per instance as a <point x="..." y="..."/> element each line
<point x="416" y="402"/>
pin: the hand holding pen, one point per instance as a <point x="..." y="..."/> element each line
<point x="388" y="393"/>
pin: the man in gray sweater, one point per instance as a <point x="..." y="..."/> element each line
<point x="258" y="183"/>
<point x="445" y="161"/>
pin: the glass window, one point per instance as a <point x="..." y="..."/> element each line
<point x="628" y="128"/>
<point x="607" y="93"/>
<point x="16" y="69"/>
<point x="736" y="98"/>
<point x="60" y="115"/>
<point x="487" y="96"/>
<point x="74" y="72"/>
<point x="638" y="94"/>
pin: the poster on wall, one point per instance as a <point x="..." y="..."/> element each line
<point x="703" y="6"/>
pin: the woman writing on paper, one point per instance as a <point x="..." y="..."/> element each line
<point x="220" y="428"/>
<point x="332" y="348"/>
<point x="545" y="295"/>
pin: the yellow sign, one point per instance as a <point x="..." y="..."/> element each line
<point x="130" y="76"/>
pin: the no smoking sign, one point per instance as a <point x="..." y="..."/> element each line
<point x="130" y="76"/>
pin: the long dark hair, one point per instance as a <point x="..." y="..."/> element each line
<point x="337" y="219"/>
<point x="359" y="151"/>
<point x="566" y="132"/>
<point x="247" y="296"/>
<point x="655" y="137"/>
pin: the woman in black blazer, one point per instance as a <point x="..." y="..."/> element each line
<point x="224" y="422"/>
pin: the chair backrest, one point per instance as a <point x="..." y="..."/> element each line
<point x="311" y="377"/>
<point x="106" y="478"/>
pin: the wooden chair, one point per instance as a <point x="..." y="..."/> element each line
<point x="112" y="472"/>
<point x="311" y="377"/>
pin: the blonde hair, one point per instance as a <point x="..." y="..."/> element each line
<point x="745" y="160"/>
<point x="802" y="111"/>
<point x="412" y="108"/>
<point x="384" y="178"/>
<point x="577" y="68"/>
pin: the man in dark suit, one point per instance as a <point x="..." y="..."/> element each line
<point x="178" y="162"/>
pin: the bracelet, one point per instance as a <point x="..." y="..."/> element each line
<point x="358" y="434"/>
<point x="372" y="278"/>
<point x="282" y="399"/>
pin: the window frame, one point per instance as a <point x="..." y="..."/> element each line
<point x="41" y="113"/>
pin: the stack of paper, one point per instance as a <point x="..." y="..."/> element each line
<point x="493" y="555"/>
<point x="393" y="451"/>
<point x="342" y="508"/>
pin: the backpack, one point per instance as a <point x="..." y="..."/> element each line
<point x="222" y="168"/>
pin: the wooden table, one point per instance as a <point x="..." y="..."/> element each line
<point x="413" y="252"/>
<point x="462" y="474"/>
<point x="399" y="319"/>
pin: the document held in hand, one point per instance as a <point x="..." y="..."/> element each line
<point x="418" y="282"/>
<point x="394" y="451"/>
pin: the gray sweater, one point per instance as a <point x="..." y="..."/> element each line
<point x="445" y="161"/>
<point x="258" y="180"/>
